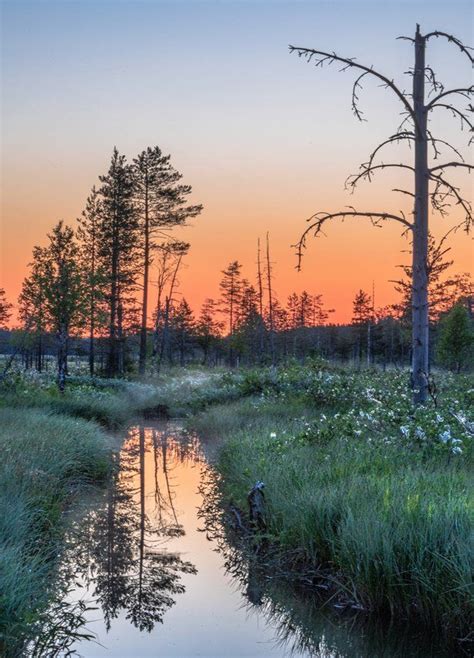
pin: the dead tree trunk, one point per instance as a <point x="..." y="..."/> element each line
<point x="443" y="195"/>
<point x="420" y="231"/>
<point x="260" y="302"/>
<point x="270" y="304"/>
<point x="62" y="356"/>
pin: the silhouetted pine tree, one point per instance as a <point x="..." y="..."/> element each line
<point x="160" y="201"/>
<point x="5" y="309"/>
<point x="118" y="253"/>
<point x="95" y="279"/>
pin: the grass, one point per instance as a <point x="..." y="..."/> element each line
<point x="51" y="445"/>
<point x="377" y="493"/>
<point x="45" y="460"/>
<point x="357" y="480"/>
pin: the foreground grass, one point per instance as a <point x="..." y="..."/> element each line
<point x="361" y="484"/>
<point x="45" y="460"/>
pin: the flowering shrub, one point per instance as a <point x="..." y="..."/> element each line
<point x="371" y="406"/>
<point x="359" y="480"/>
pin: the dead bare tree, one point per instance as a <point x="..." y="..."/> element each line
<point x="414" y="130"/>
<point x="270" y="303"/>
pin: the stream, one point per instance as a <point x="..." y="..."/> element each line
<point x="150" y="580"/>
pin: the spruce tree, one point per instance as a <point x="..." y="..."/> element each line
<point x="231" y="295"/>
<point x="456" y="341"/>
<point x="118" y="253"/>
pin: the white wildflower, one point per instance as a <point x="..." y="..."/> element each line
<point x="445" y="436"/>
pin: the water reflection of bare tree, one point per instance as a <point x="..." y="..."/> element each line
<point x="304" y="618"/>
<point x="121" y="552"/>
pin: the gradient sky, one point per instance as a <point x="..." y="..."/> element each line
<point x="264" y="139"/>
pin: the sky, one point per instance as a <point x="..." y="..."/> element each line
<point x="264" y="139"/>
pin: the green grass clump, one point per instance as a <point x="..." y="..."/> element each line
<point x="45" y="459"/>
<point x="379" y="494"/>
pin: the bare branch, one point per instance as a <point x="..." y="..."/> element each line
<point x="317" y="221"/>
<point x="430" y="76"/>
<point x="406" y="39"/>
<point x="452" y="39"/>
<point x="433" y="141"/>
<point x="466" y="92"/>
<point x="397" y="137"/>
<point x="367" y="172"/>
<point x="396" y="189"/>
<point x="456" y="112"/>
<point x="465" y="165"/>
<point x="453" y="229"/>
<point x="322" y="58"/>
<point x="355" y="98"/>
<point x="453" y="192"/>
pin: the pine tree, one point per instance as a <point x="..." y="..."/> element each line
<point x="456" y="341"/>
<point x="250" y="324"/>
<point x="443" y="291"/>
<point x="88" y="235"/>
<point x="31" y="305"/>
<point x="160" y="201"/>
<point x="361" y="319"/>
<point x="5" y="309"/>
<point x="208" y="328"/>
<point x="56" y="283"/>
<point x="119" y="241"/>
<point x="231" y="295"/>
<point x="183" y="327"/>
<point x="292" y="309"/>
<point x="305" y="309"/>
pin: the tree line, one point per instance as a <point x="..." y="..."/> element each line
<point x="85" y="293"/>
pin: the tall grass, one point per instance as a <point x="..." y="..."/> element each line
<point x="392" y="524"/>
<point x="44" y="460"/>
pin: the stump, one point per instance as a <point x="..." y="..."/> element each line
<point x="256" y="502"/>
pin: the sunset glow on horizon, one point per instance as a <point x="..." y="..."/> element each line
<point x="264" y="139"/>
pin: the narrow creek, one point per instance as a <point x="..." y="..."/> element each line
<point x="156" y="584"/>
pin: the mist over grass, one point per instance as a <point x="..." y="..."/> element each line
<point x="115" y="402"/>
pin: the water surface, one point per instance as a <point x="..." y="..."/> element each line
<point x="161" y="585"/>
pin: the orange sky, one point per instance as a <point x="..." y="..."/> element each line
<point x="264" y="139"/>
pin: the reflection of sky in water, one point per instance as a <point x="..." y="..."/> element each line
<point x="140" y="557"/>
<point x="210" y="618"/>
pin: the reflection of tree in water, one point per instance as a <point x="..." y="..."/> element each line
<point x="118" y="549"/>
<point x="304" y="618"/>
